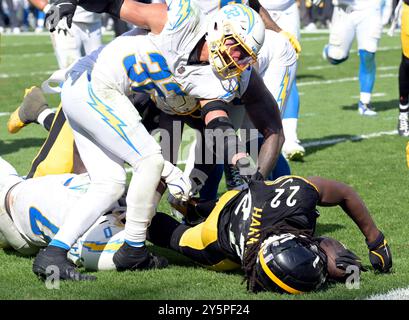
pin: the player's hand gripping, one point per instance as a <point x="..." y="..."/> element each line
<point x="380" y="254"/>
<point x="178" y="185"/>
<point x="57" y="11"/>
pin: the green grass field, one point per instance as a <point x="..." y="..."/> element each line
<point x="374" y="164"/>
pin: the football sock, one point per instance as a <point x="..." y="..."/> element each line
<point x="367" y="71"/>
<point x="293" y="104"/>
<point x="46" y="118"/>
<point x="141" y="198"/>
<point x="404" y="81"/>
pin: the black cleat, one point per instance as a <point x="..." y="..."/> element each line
<point x="137" y="258"/>
<point x="52" y="262"/>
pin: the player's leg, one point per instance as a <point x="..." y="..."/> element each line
<point x="368" y="31"/>
<point x="342" y="33"/>
<point x="56" y="155"/>
<point x="34" y="108"/>
<point x="9" y="235"/>
<point x="67" y="46"/>
<point x="198" y="243"/>
<point x="113" y="122"/>
<point x="91" y="36"/>
<point x="279" y="76"/>
<point x="403" y="123"/>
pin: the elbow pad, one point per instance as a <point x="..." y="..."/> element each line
<point x="221" y="138"/>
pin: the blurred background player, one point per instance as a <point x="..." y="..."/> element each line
<point x="81" y="39"/>
<point x="403" y="123"/>
<point x="286" y="14"/>
<point x="363" y="19"/>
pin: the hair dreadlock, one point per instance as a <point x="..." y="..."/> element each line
<point x="251" y="251"/>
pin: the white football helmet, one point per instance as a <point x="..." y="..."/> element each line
<point x="233" y="27"/>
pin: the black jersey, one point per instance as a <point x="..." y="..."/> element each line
<point x="289" y="200"/>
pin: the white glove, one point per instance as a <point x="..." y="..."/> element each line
<point x="179" y="186"/>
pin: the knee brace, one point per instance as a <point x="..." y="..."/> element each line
<point x="334" y="55"/>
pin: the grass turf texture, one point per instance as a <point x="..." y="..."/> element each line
<point x="374" y="167"/>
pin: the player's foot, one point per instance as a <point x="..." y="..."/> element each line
<point x="233" y="178"/>
<point x="366" y="109"/>
<point x="137" y="258"/>
<point x="293" y="150"/>
<point x="33" y="104"/>
<point x="403" y="124"/>
<point x="52" y="262"/>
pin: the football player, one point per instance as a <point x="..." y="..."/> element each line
<point x="29" y="221"/>
<point x="242" y="228"/>
<point x="83" y="36"/>
<point x="403" y="123"/>
<point x="107" y="128"/>
<point x="286" y="14"/>
<point x="363" y="19"/>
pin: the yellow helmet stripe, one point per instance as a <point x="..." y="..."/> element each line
<point x="274" y="278"/>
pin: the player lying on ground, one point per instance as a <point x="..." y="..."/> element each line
<point x="32" y="211"/>
<point x="230" y="236"/>
<point x="245" y="229"/>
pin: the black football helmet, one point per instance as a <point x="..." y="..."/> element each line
<point x="291" y="264"/>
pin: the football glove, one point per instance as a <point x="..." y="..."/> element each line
<point x="380" y="254"/>
<point x="293" y="40"/>
<point x="348" y="258"/>
<point x="57" y="11"/>
<point x="178" y="185"/>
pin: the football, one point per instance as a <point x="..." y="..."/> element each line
<point x="332" y="248"/>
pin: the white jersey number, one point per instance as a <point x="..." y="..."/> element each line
<point x="290" y="202"/>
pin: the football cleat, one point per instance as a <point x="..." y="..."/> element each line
<point x="403" y="124"/>
<point x="137" y="258"/>
<point x="365" y="109"/>
<point x="52" y="262"/>
<point x="293" y="150"/>
<point x="33" y="104"/>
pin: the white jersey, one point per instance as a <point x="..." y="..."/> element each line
<point x="158" y="64"/>
<point x="38" y="206"/>
<point x="358" y="4"/>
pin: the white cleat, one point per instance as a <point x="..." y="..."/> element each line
<point x="366" y="110"/>
<point x="293" y="150"/>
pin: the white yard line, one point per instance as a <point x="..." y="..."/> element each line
<point x="17" y="75"/>
<point x="316" y="82"/>
<point x="317" y="143"/>
<point x="395" y="294"/>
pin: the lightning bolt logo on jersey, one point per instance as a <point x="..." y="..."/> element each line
<point x="289" y="200"/>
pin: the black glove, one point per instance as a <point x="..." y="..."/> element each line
<point x="348" y="258"/>
<point x="248" y="170"/>
<point x="58" y="10"/>
<point x="380" y="254"/>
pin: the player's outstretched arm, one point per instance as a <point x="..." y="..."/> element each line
<point x="334" y="193"/>
<point x="263" y="111"/>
